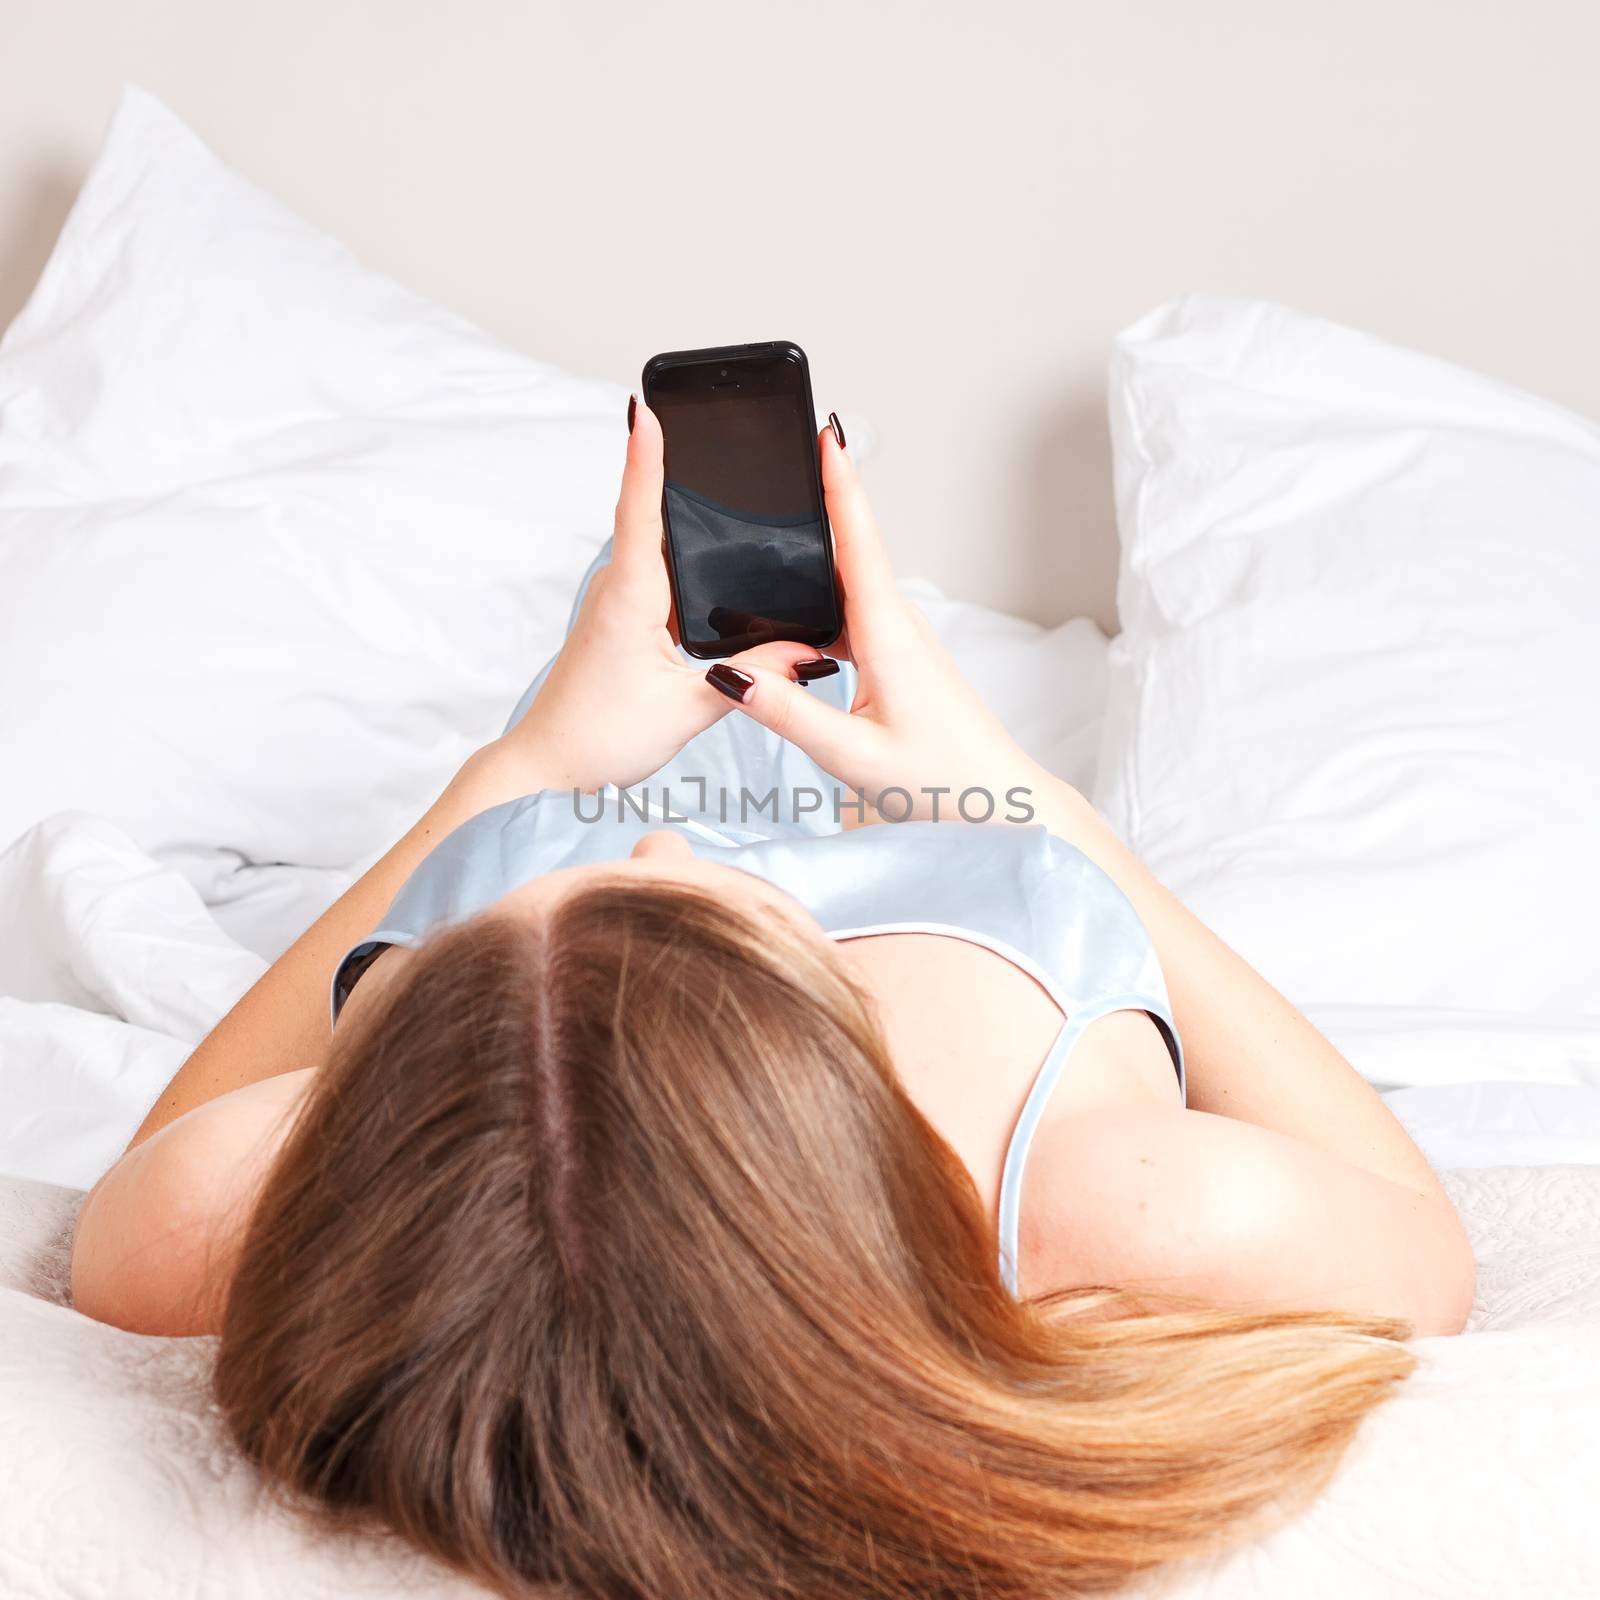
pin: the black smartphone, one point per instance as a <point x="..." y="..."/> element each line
<point x="748" y="545"/>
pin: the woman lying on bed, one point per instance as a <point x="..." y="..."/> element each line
<point x="751" y="1206"/>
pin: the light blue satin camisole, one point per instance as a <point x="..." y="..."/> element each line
<point x="1015" y="889"/>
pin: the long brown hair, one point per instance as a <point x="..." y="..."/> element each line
<point x="609" y="1255"/>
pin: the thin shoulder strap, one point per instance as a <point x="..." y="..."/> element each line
<point x="1033" y="1110"/>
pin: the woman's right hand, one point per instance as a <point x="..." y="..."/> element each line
<point x="917" y="736"/>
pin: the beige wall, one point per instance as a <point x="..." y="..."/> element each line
<point x="953" y="208"/>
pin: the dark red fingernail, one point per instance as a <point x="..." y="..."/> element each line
<point x="810" y="671"/>
<point x="632" y="406"/>
<point x="837" y="426"/>
<point x="730" y="681"/>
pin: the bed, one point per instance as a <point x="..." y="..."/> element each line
<point x="1348" y="718"/>
<point x="115" y="1482"/>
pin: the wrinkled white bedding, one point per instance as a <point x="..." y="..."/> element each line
<point x="114" y="1484"/>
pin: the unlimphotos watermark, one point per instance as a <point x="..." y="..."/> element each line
<point x="794" y="803"/>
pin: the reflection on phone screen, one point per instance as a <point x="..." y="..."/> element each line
<point x="746" y="524"/>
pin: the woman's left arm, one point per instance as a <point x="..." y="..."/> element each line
<point x="618" y="704"/>
<point x="918" y="725"/>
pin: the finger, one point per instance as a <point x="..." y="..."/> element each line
<point x="777" y="655"/>
<point x="636" y="547"/>
<point x="864" y="570"/>
<point x="839" y="743"/>
<point x="780" y="656"/>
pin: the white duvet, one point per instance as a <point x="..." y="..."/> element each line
<point x="1476" y="1480"/>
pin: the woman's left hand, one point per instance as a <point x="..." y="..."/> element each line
<point x="620" y="701"/>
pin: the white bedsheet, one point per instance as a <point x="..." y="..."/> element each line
<point x="114" y="1484"/>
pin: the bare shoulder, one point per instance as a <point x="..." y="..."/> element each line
<point x="968" y="1031"/>
<point x="1142" y="1195"/>
<point x="1114" y="1193"/>
<point x="158" y="1236"/>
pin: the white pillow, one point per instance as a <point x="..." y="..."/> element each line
<point x="1352" y="715"/>
<point x="280" y="542"/>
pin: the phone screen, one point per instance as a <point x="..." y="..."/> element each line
<point x="743" y="510"/>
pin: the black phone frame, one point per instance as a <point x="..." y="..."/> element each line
<point x="730" y="355"/>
